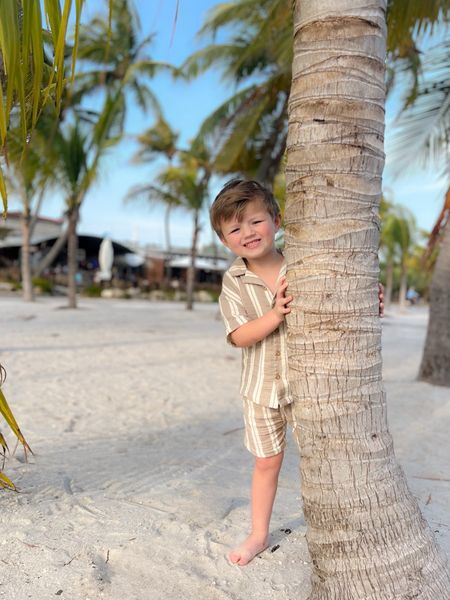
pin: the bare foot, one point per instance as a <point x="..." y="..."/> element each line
<point x="247" y="551"/>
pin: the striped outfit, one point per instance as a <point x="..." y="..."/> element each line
<point x="264" y="379"/>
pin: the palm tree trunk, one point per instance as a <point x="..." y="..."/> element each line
<point x="168" y="242"/>
<point x="52" y="254"/>
<point x="403" y="284"/>
<point x="25" y="261"/>
<point x="37" y="210"/>
<point x="436" y="356"/>
<point x="72" y="263"/>
<point x="389" y="281"/>
<point x="365" y="533"/>
<point x="190" y="283"/>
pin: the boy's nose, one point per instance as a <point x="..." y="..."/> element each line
<point x="247" y="230"/>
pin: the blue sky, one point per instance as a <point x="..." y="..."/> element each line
<point x="185" y="105"/>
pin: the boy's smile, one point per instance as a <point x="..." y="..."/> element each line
<point x="253" y="235"/>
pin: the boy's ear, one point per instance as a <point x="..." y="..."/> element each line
<point x="277" y="222"/>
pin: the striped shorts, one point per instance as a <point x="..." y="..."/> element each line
<point x="265" y="428"/>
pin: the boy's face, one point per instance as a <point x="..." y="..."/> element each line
<point x="252" y="236"/>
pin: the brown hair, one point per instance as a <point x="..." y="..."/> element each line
<point x="234" y="197"/>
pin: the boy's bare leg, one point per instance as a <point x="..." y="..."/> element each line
<point x="264" y="488"/>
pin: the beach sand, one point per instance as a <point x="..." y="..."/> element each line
<point x="139" y="483"/>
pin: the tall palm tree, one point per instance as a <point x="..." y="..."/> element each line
<point x="113" y="62"/>
<point x="30" y="172"/>
<point x="72" y="151"/>
<point x="365" y="533"/>
<point x="78" y="151"/>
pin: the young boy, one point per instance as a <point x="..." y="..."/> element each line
<point x="253" y="303"/>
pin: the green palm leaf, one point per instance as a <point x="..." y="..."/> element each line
<point x="422" y="130"/>
<point x="5" y="482"/>
<point x="23" y="73"/>
<point x="5" y="411"/>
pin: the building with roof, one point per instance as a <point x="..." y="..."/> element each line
<point x="147" y="267"/>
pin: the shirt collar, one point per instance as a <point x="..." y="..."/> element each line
<point x="238" y="268"/>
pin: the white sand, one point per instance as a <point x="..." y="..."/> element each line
<point x="139" y="483"/>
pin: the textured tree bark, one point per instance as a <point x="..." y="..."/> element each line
<point x="365" y="533"/>
<point x="72" y="262"/>
<point x="190" y="283"/>
<point x="435" y="366"/>
<point x="25" y="266"/>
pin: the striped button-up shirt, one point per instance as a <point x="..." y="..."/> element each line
<point x="246" y="297"/>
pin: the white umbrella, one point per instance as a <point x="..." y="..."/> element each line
<point x="105" y="260"/>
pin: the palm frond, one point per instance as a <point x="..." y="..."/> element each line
<point x="153" y="194"/>
<point x="151" y="68"/>
<point x="422" y="130"/>
<point x="159" y="139"/>
<point x="243" y="129"/>
<point x="211" y="55"/>
<point x="413" y="16"/>
<point x="21" y="45"/>
<point x="230" y="13"/>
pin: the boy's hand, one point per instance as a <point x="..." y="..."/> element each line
<point x="381" y="300"/>
<point x="281" y="307"/>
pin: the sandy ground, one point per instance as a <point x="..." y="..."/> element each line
<point x="139" y="483"/>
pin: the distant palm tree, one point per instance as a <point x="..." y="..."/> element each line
<point x="112" y="63"/>
<point x="78" y="151"/>
<point x="158" y="140"/>
<point x="398" y="232"/>
<point x="184" y="186"/>
<point x="30" y="173"/>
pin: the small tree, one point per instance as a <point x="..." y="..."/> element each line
<point x="185" y="187"/>
<point x="159" y="140"/>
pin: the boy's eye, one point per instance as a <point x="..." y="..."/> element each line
<point x="258" y="221"/>
<point x="234" y="230"/>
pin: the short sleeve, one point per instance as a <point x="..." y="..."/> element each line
<point x="231" y="306"/>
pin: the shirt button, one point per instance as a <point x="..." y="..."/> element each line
<point x="277" y="376"/>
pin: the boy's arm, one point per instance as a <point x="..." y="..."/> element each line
<point x="254" y="331"/>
